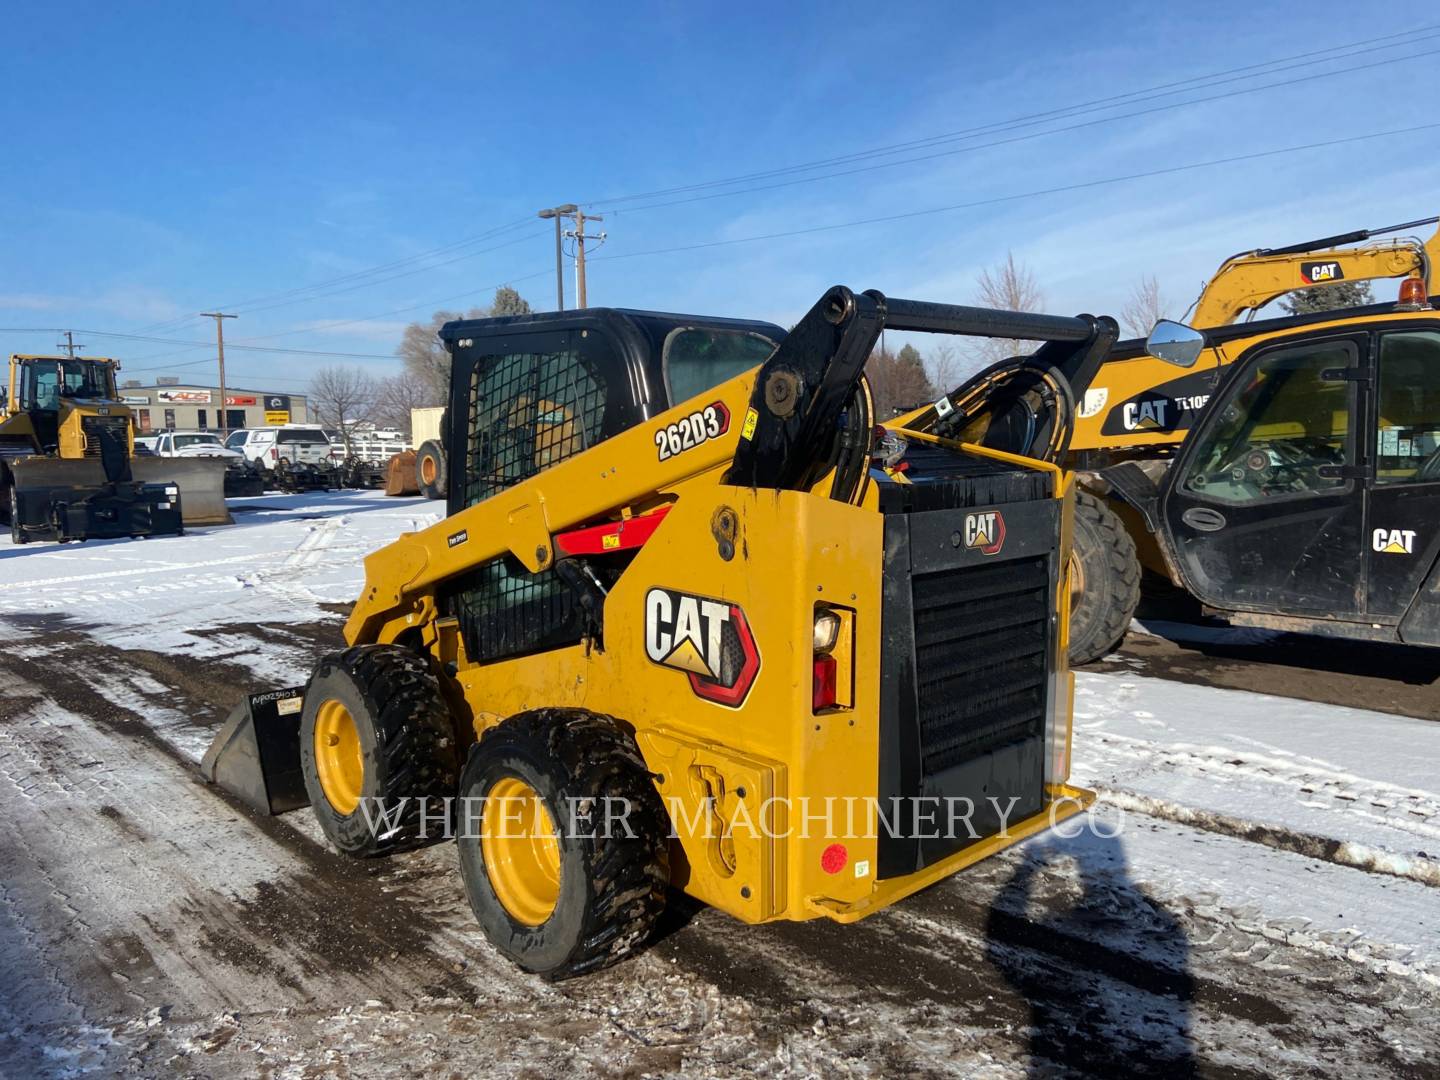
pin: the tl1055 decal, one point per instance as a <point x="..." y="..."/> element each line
<point x="709" y="640"/>
<point x="689" y="432"/>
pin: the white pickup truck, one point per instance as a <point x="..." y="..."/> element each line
<point x="297" y="444"/>
<point x="191" y="444"/>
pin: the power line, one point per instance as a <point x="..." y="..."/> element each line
<point x="829" y="227"/>
<point x="1163" y="89"/>
<point x="196" y="344"/>
<point x="1167" y="171"/>
<point x="1019" y="138"/>
<point x="1256" y="70"/>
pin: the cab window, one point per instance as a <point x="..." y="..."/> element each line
<point x="697" y="359"/>
<point x="1279" y="429"/>
<point x="1407" y="437"/>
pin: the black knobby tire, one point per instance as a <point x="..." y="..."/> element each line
<point x="612" y="881"/>
<point x="407" y="742"/>
<point x="12" y="504"/>
<point x="1109" y="580"/>
<point x="430" y="459"/>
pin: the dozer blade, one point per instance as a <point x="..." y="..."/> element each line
<point x="71" y="499"/>
<point x="256" y="755"/>
<point x="201" y="481"/>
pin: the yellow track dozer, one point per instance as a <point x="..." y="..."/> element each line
<point x="68" y="470"/>
<point x="693" y="621"/>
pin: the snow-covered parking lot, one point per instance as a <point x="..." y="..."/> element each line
<point x="1257" y="892"/>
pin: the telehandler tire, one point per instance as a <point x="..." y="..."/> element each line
<point x="377" y="749"/>
<point x="430" y="470"/>
<point x="1104" y="580"/>
<point x="564" y="842"/>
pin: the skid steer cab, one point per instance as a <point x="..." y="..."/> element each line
<point x="693" y="621"/>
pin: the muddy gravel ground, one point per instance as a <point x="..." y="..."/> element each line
<point x="1361" y="674"/>
<point x="151" y="926"/>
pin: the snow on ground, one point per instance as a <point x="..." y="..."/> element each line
<point x="285" y="557"/>
<point x="1267" y="902"/>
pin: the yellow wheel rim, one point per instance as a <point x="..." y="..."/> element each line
<point x="337" y="756"/>
<point x="520" y="850"/>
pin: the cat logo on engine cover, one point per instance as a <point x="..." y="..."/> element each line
<point x="709" y="640"/>
<point x="985" y="531"/>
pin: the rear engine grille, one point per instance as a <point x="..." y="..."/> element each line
<point x="981" y="635"/>
<point x="92" y="426"/>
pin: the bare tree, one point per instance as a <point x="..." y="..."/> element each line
<point x="342" y="397"/>
<point x="1011" y="286"/>
<point x="426" y="360"/>
<point x="1144" y="308"/>
<point x="395" y="397"/>
<point x="946" y="367"/>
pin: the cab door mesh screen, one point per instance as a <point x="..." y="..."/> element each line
<point x="528" y="411"/>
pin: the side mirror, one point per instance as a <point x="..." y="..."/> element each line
<point x="1175" y="343"/>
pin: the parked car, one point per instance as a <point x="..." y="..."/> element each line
<point x="292" y="457"/>
<point x="295" y="444"/>
<point x="191" y="444"/>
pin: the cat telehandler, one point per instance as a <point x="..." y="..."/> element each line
<point x="1291" y="480"/>
<point x="693" y="620"/>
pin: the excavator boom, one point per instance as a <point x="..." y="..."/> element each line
<point x="1248" y="281"/>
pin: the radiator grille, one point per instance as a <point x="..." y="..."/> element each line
<point x="981" y="635"/>
<point x="91" y="427"/>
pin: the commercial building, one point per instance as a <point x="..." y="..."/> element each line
<point x="178" y="406"/>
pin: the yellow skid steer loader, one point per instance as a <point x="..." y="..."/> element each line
<point x="694" y="621"/>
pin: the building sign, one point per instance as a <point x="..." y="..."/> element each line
<point x="135" y="399"/>
<point x="277" y="408"/>
<point x="184" y="397"/>
<point x="277" y="416"/>
<point x="240" y="399"/>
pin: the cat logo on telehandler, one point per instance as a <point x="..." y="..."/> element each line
<point x="1145" y="414"/>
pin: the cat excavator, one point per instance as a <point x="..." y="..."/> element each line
<point x="68" y="469"/>
<point x="1307" y="502"/>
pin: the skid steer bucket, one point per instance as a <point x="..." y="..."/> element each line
<point x="201" y="481"/>
<point x="256" y="755"/>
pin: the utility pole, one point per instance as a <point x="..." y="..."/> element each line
<point x="558" y="213"/>
<point x="220" y="318"/>
<point x="579" y="234"/>
<point x="69" y="344"/>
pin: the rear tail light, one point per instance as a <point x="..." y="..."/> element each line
<point x="274" y="454"/>
<point x="1412" y="295"/>
<point x="826" y="675"/>
<point x="824" y="692"/>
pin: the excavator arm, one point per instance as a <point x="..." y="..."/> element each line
<point x="1252" y="279"/>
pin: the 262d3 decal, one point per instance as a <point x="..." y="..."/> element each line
<point x="700" y="426"/>
<point x="709" y="640"/>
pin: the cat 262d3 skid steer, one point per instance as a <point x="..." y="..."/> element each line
<point x="693" y="621"/>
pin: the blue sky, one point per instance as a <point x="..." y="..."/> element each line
<point x="167" y="159"/>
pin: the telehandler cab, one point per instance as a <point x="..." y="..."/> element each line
<point x="1291" y="480"/>
<point x="692" y="620"/>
